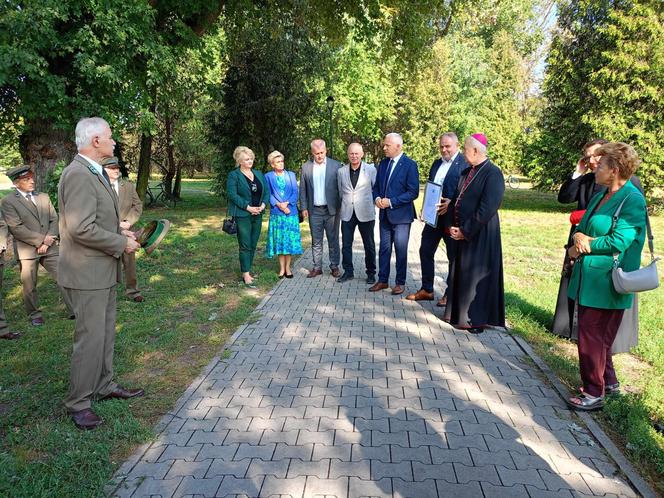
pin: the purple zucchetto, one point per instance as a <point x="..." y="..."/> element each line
<point x="481" y="138"/>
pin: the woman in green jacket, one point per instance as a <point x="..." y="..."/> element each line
<point x="596" y="240"/>
<point x="247" y="195"/>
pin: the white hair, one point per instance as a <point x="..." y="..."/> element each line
<point x="398" y="138"/>
<point x="450" y="134"/>
<point x="319" y="142"/>
<point x="476" y="144"/>
<point x="87" y="129"/>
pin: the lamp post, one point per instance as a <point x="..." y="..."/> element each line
<point x="329" y="101"/>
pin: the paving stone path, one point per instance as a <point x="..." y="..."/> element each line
<point x="336" y="392"/>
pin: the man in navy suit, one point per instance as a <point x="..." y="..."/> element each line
<point x="444" y="171"/>
<point x="397" y="186"/>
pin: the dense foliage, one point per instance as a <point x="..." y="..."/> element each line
<point x="605" y="78"/>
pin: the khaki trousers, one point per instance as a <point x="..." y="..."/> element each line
<point x="91" y="373"/>
<point x="3" y="320"/>
<point x="29" y="271"/>
<point x="131" y="284"/>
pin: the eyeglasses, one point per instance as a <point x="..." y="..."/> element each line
<point x="254" y="188"/>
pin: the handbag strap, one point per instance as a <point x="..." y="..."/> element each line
<point x="651" y="245"/>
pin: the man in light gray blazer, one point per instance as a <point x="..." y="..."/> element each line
<point x="91" y="244"/>
<point x="356" y="181"/>
<point x="319" y="201"/>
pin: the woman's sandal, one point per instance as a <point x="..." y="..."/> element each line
<point x="586" y="403"/>
<point x="609" y="389"/>
<point x="289" y="275"/>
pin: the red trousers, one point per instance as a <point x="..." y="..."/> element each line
<point x="597" y="331"/>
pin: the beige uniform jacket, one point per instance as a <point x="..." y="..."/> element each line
<point x="90" y="239"/>
<point x="131" y="206"/>
<point x="30" y="223"/>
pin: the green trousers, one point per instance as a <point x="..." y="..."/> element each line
<point x="248" y="232"/>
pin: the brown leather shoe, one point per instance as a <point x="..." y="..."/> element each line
<point x="10" y="335"/>
<point x="123" y="393"/>
<point x="442" y="302"/>
<point x="335" y="272"/>
<point x="86" y="420"/>
<point x="314" y="273"/>
<point x="138" y="299"/>
<point x="37" y="322"/>
<point x="397" y="289"/>
<point x="378" y="286"/>
<point x="420" y="295"/>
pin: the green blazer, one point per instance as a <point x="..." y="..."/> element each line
<point x="590" y="283"/>
<point x="239" y="194"/>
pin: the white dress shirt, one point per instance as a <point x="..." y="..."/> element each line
<point x="443" y="169"/>
<point x="98" y="168"/>
<point x="319" y="183"/>
<point x="28" y="195"/>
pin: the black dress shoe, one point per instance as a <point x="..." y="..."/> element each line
<point x="475" y="330"/>
<point x="371" y="279"/>
<point x="345" y="277"/>
<point x="86" y="420"/>
<point x="288" y="275"/>
<point x="123" y="393"/>
<point x="10" y="335"/>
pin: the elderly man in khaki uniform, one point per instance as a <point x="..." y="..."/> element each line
<point x="131" y="209"/>
<point x="91" y="244"/>
<point x="5" y="333"/>
<point x="33" y="222"/>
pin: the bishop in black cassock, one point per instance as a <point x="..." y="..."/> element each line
<point x="476" y="295"/>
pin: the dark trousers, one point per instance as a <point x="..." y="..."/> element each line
<point x="431" y="238"/>
<point x="367" y="234"/>
<point x="398" y="235"/>
<point x="597" y="331"/>
<point x="248" y="233"/>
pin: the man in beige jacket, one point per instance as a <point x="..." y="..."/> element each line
<point x="131" y="209"/>
<point x="33" y="222"/>
<point x="91" y="244"/>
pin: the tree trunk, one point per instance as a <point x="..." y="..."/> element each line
<point x="170" y="157"/>
<point x="42" y="145"/>
<point x="144" y="162"/>
<point x="177" y="186"/>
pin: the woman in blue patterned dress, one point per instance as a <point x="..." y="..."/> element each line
<point x="283" y="234"/>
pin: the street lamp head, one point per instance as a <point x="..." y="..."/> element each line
<point x="329" y="101"/>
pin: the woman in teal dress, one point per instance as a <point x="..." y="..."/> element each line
<point x="283" y="234"/>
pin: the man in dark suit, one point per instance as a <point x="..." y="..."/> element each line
<point x="32" y="220"/>
<point x="444" y="171"/>
<point x="131" y="209"/>
<point x="397" y="186"/>
<point x="91" y="244"/>
<point x="320" y="202"/>
<point x="5" y="333"/>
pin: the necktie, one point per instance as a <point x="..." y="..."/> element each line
<point x="105" y="175"/>
<point x="31" y="198"/>
<point x="390" y="167"/>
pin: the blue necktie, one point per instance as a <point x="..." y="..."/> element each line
<point x="105" y="175"/>
<point x="390" y="167"/>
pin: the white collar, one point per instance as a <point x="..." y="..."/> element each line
<point x="94" y="164"/>
<point x="452" y="159"/>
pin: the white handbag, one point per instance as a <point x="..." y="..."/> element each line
<point x="643" y="279"/>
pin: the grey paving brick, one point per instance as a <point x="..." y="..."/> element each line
<point x="276" y="468"/>
<point x="173" y="452"/>
<point x="205" y="437"/>
<point x="326" y="488"/>
<point x="221" y="467"/>
<point x="361" y="452"/>
<point x="157" y="487"/>
<point x="182" y="468"/>
<point x="232" y="487"/>
<point x="379" y="438"/>
<point x="273" y="486"/>
<point x="419" y="454"/>
<point x="361" y="469"/>
<point x="339" y="451"/>
<point x="422" y="472"/>
<point x="530" y="477"/>
<point x="485" y="473"/>
<point x="319" y="468"/>
<point x="192" y="486"/>
<point x="466" y="490"/>
<point x="250" y="437"/>
<point x="607" y="485"/>
<point x="493" y="491"/>
<point x="250" y="451"/>
<point x="417" y="439"/>
<point x="225" y="452"/>
<point x="303" y="452"/>
<point x="286" y="437"/>
<point x="381" y="469"/>
<point x="358" y="488"/>
<point x="325" y="437"/>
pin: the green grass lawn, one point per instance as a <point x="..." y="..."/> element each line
<point x="194" y="302"/>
